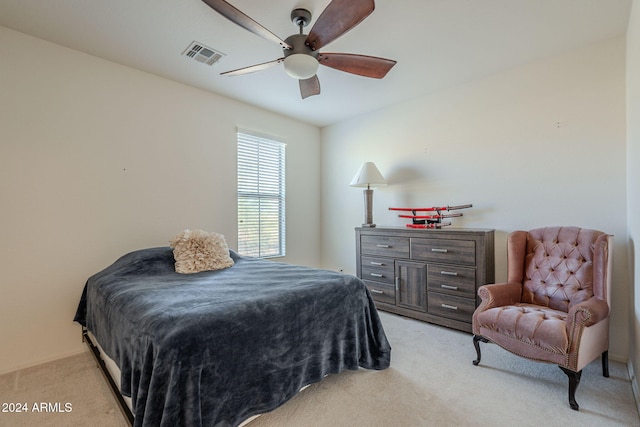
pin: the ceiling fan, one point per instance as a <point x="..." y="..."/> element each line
<point x="301" y="56"/>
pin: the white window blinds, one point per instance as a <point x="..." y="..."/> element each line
<point x="261" y="196"/>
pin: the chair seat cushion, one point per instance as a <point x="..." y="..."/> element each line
<point x="520" y="327"/>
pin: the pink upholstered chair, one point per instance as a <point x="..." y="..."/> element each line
<point x="555" y="305"/>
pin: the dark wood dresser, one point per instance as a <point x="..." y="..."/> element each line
<point x="430" y="275"/>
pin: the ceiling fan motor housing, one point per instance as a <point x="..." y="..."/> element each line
<point x="300" y="62"/>
<point x="297" y="43"/>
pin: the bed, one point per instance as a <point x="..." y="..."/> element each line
<point x="217" y="347"/>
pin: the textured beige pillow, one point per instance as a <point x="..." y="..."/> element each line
<point x="198" y="250"/>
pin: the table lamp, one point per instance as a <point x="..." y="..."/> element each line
<point x="368" y="175"/>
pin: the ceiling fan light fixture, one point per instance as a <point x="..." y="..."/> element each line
<point x="301" y="66"/>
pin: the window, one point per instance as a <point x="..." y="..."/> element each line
<point x="261" y="196"/>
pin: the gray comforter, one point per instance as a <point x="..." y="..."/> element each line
<point x="213" y="348"/>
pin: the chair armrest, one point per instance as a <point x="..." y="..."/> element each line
<point x="588" y="312"/>
<point x="499" y="294"/>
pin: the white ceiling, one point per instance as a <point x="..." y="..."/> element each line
<point x="437" y="43"/>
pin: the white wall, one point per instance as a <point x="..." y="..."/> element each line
<point x="541" y="144"/>
<point x="96" y="160"/>
<point x="633" y="186"/>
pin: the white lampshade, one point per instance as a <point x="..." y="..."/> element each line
<point x="301" y="66"/>
<point x="368" y="175"/>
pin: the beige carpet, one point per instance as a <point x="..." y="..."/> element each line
<point x="75" y="380"/>
<point x="431" y="382"/>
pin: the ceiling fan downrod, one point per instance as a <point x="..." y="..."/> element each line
<point x="300" y="18"/>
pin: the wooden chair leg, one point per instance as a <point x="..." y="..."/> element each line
<point x="574" y="381"/>
<point x="476" y="344"/>
<point x="605" y="363"/>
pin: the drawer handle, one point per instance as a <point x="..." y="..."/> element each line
<point x="375" y="263"/>
<point x="376" y="291"/>
<point x="450" y="307"/>
<point x="448" y="273"/>
<point x="383" y="246"/>
<point x="377" y="275"/>
<point x="453" y="288"/>
<point x="443" y="251"/>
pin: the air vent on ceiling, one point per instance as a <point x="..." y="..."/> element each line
<point x="202" y="53"/>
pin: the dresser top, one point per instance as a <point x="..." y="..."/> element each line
<point x="423" y="231"/>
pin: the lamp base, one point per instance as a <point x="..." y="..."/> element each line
<point x="368" y="208"/>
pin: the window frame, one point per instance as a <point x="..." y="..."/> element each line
<point x="261" y="173"/>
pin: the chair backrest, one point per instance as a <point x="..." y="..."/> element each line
<point x="559" y="266"/>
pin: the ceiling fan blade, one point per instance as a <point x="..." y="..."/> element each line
<point x="336" y="19"/>
<point x="253" y="68"/>
<point x="236" y="16"/>
<point x="309" y="87"/>
<point x="362" y="65"/>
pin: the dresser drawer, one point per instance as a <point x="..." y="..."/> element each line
<point x="451" y="280"/>
<point x="382" y="292"/>
<point x="397" y="247"/>
<point x="442" y="250"/>
<point x="452" y="307"/>
<point x="377" y="269"/>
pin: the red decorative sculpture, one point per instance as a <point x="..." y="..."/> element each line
<point x="433" y="220"/>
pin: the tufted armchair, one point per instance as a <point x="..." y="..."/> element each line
<point x="554" y="307"/>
